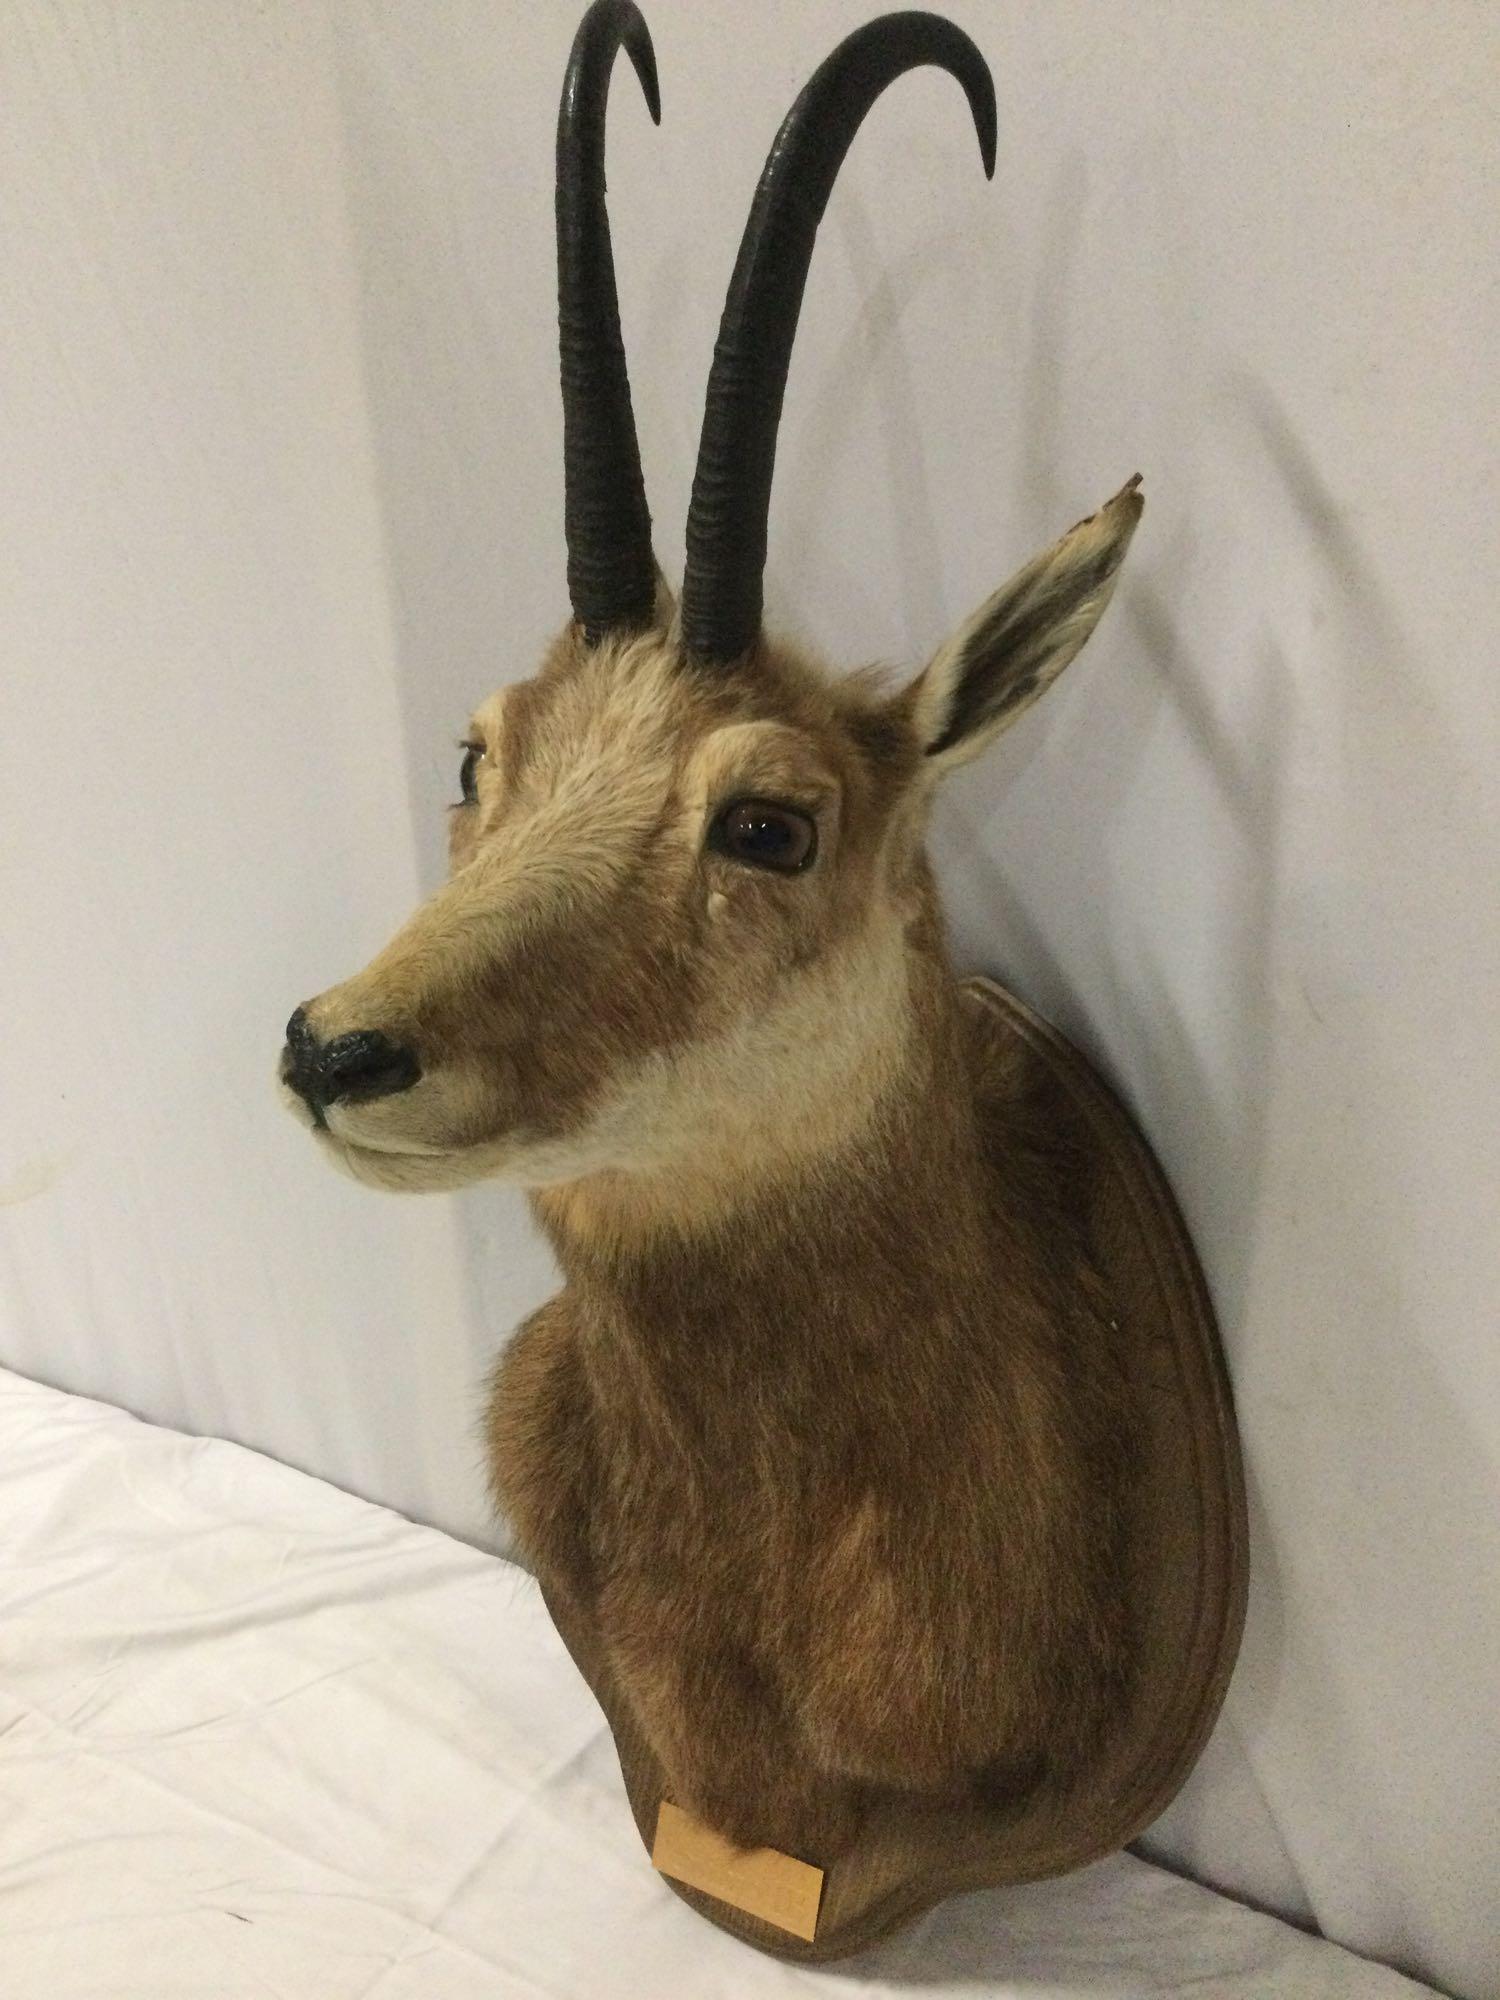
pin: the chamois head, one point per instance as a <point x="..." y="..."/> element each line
<point x="687" y="882"/>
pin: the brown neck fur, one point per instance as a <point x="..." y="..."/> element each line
<point x="804" y="1294"/>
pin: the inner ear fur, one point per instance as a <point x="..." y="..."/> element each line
<point x="1018" y="641"/>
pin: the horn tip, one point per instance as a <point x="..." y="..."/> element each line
<point x="979" y="88"/>
<point x="643" y="60"/>
<point x="986" y="123"/>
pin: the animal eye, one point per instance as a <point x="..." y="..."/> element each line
<point x="765" y="835"/>
<point x="472" y="754"/>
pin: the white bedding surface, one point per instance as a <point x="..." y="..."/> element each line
<point x="260" y="1738"/>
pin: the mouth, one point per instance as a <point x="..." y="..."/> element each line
<point x="415" y="1149"/>
<point x="329" y="1124"/>
<point x="408" y="1165"/>
<point x="401" y="1168"/>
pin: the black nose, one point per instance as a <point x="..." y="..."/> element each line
<point x="350" y="1069"/>
<point x="366" y="1064"/>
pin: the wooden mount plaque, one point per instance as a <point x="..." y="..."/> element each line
<point x="1187" y="1571"/>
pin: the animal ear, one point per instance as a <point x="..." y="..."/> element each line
<point x="1019" y="640"/>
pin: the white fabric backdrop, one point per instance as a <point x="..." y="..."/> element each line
<point x="281" y="498"/>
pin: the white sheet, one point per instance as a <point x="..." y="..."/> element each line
<point x="258" y="1737"/>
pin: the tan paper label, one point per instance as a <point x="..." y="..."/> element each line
<point x="758" y="1880"/>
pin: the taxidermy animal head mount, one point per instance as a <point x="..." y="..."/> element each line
<point x="688" y="916"/>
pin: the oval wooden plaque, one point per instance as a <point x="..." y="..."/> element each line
<point x="1187" y="1557"/>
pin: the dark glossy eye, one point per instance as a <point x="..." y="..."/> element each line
<point x="765" y="835"/>
<point x="472" y="755"/>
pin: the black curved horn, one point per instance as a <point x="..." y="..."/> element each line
<point x="611" y="574"/>
<point x="726" y="530"/>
